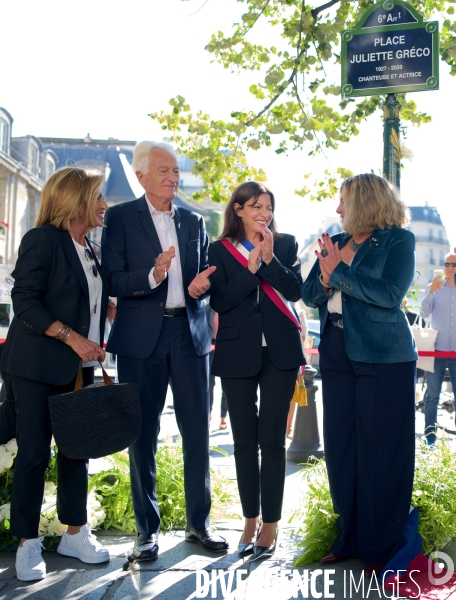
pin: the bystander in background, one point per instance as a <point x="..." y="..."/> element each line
<point x="440" y="304"/>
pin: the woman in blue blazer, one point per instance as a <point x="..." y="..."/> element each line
<point x="258" y="345"/>
<point x="367" y="363"/>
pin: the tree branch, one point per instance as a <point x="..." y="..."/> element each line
<point x="257" y="17"/>
<point x="316" y="11"/>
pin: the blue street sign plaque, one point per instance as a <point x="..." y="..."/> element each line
<point x="390" y="50"/>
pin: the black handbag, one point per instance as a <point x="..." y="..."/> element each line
<point x="97" y="420"/>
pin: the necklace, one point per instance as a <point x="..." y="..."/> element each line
<point x="354" y="246"/>
<point x="94" y="272"/>
<point x="88" y="254"/>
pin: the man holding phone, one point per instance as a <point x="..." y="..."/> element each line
<point x="440" y="305"/>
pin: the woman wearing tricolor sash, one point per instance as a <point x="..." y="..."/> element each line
<point x="258" y="347"/>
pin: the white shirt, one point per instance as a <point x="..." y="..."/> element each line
<point x="95" y="287"/>
<point x="166" y="231"/>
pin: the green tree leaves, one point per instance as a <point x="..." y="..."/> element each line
<point x="297" y="89"/>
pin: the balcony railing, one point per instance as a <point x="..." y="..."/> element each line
<point x="431" y="240"/>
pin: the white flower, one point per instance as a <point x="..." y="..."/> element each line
<point x="11" y="446"/>
<point x="55" y="527"/>
<point x="49" y="505"/>
<point x="95" y="518"/>
<point x="5" y="511"/>
<point x="6" y="459"/>
<point x="42" y="529"/>
<point x="100" y="515"/>
<point x="50" y="488"/>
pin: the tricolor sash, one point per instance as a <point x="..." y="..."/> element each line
<point x="275" y="296"/>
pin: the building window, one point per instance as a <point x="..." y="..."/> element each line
<point x="442" y="258"/>
<point x="50" y="168"/>
<point x="3" y="136"/>
<point x="431" y="256"/>
<point x="33" y="167"/>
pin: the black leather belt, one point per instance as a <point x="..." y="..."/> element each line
<point x="336" y="320"/>
<point x="179" y="311"/>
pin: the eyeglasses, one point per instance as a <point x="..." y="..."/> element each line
<point x="89" y="256"/>
<point x="450" y="264"/>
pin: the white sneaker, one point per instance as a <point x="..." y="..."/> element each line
<point x="29" y="562"/>
<point x="83" y="545"/>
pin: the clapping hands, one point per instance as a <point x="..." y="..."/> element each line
<point x="329" y="257"/>
<point x="264" y="251"/>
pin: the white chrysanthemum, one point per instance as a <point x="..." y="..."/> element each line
<point x="6" y="459"/>
<point x="95" y="505"/>
<point x="55" y="527"/>
<point x="11" y="446"/>
<point x="5" y="511"/>
<point x="100" y="515"/>
<point x="50" y="488"/>
<point x="42" y="529"/>
<point x="49" y="505"/>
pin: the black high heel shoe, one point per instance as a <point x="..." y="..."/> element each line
<point x="266" y="551"/>
<point x="246" y="549"/>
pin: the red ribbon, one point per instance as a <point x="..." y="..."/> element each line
<point x="435" y="354"/>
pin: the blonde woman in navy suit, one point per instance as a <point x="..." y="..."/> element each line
<point x="367" y="364"/>
<point x="257" y="346"/>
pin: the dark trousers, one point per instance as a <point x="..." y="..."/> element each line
<point x="434" y="387"/>
<point x="173" y="360"/>
<point x="8" y="407"/>
<point x="33" y="435"/>
<point x="369" y="436"/>
<point x="260" y="428"/>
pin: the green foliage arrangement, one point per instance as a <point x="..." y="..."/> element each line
<point x="317" y="516"/>
<point x="112" y="488"/>
<point x="49" y="524"/>
<point x="110" y="505"/>
<point x="296" y="96"/>
<point x="434" y="495"/>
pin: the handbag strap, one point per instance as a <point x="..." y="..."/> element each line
<point x="78" y="385"/>
<point x="416" y="322"/>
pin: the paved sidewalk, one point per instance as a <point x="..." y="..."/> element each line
<point x="180" y="566"/>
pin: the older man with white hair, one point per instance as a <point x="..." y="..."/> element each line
<point x="155" y="260"/>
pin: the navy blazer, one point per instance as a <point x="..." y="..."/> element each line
<point x="49" y="285"/>
<point x="375" y="327"/>
<point x="130" y="245"/>
<point x="242" y="319"/>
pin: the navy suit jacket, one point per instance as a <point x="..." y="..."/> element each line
<point x="50" y="285"/>
<point x="373" y="287"/>
<point x="130" y="245"/>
